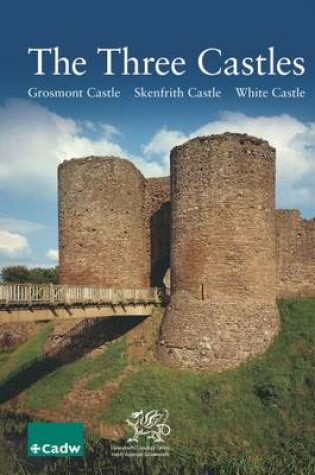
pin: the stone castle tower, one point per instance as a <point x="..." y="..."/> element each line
<point x="112" y="224"/>
<point x="101" y="206"/>
<point x="231" y="253"/>
<point x="223" y="252"/>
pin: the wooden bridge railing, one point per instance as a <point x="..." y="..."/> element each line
<point x="29" y="294"/>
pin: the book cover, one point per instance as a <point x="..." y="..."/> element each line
<point x="157" y="238"/>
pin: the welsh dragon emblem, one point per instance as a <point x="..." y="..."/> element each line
<point x="151" y="424"/>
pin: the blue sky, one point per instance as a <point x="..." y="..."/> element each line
<point x="36" y="135"/>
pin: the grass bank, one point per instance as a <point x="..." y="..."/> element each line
<point x="257" y="419"/>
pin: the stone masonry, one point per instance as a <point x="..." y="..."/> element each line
<point x="295" y="255"/>
<point x="230" y="252"/>
<point x="108" y="213"/>
<point x="223" y="267"/>
<point x="157" y="223"/>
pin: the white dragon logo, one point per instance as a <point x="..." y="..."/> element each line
<point x="152" y="424"/>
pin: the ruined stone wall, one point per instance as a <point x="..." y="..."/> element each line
<point x="223" y="257"/>
<point x="231" y="252"/>
<point x="157" y="224"/>
<point x="14" y="334"/>
<point x="295" y="255"/>
<point x="102" y="238"/>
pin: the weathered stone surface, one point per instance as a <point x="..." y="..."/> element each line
<point x="113" y="224"/>
<point x="215" y="335"/>
<point x="231" y="252"/>
<point x="13" y="334"/>
<point x="295" y="254"/>
<point x="223" y="260"/>
<point x="157" y="222"/>
<point x="101" y="230"/>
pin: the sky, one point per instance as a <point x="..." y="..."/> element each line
<point x="36" y="134"/>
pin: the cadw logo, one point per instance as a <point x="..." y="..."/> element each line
<point x="55" y="439"/>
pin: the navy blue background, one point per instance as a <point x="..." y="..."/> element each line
<point x="163" y="28"/>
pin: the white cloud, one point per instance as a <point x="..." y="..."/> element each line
<point x="19" y="225"/>
<point x="158" y="149"/>
<point x="287" y="134"/>
<point x="109" y="130"/>
<point x="34" y="140"/>
<point x="12" y="244"/>
<point x="53" y="255"/>
<point x="293" y="139"/>
<point x="163" y="141"/>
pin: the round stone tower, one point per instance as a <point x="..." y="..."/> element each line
<point x="223" y="266"/>
<point x="101" y="230"/>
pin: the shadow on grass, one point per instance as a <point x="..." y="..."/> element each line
<point x="26" y="377"/>
<point x="79" y="341"/>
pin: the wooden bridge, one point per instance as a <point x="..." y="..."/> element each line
<point x="28" y="302"/>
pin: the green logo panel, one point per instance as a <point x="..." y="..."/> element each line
<point x="55" y="439"/>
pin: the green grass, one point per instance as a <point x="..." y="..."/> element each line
<point x="257" y="419"/>
<point x="4" y="355"/>
<point x="114" y="362"/>
<point x="48" y="392"/>
<point x="25" y="355"/>
<point x="260" y="408"/>
<point x="6" y="458"/>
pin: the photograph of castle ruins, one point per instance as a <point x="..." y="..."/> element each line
<point x="183" y="301"/>
<point x="157" y="238"/>
<point x="213" y="222"/>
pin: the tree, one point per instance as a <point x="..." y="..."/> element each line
<point x="14" y="274"/>
<point x="43" y="275"/>
<point x="36" y="275"/>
